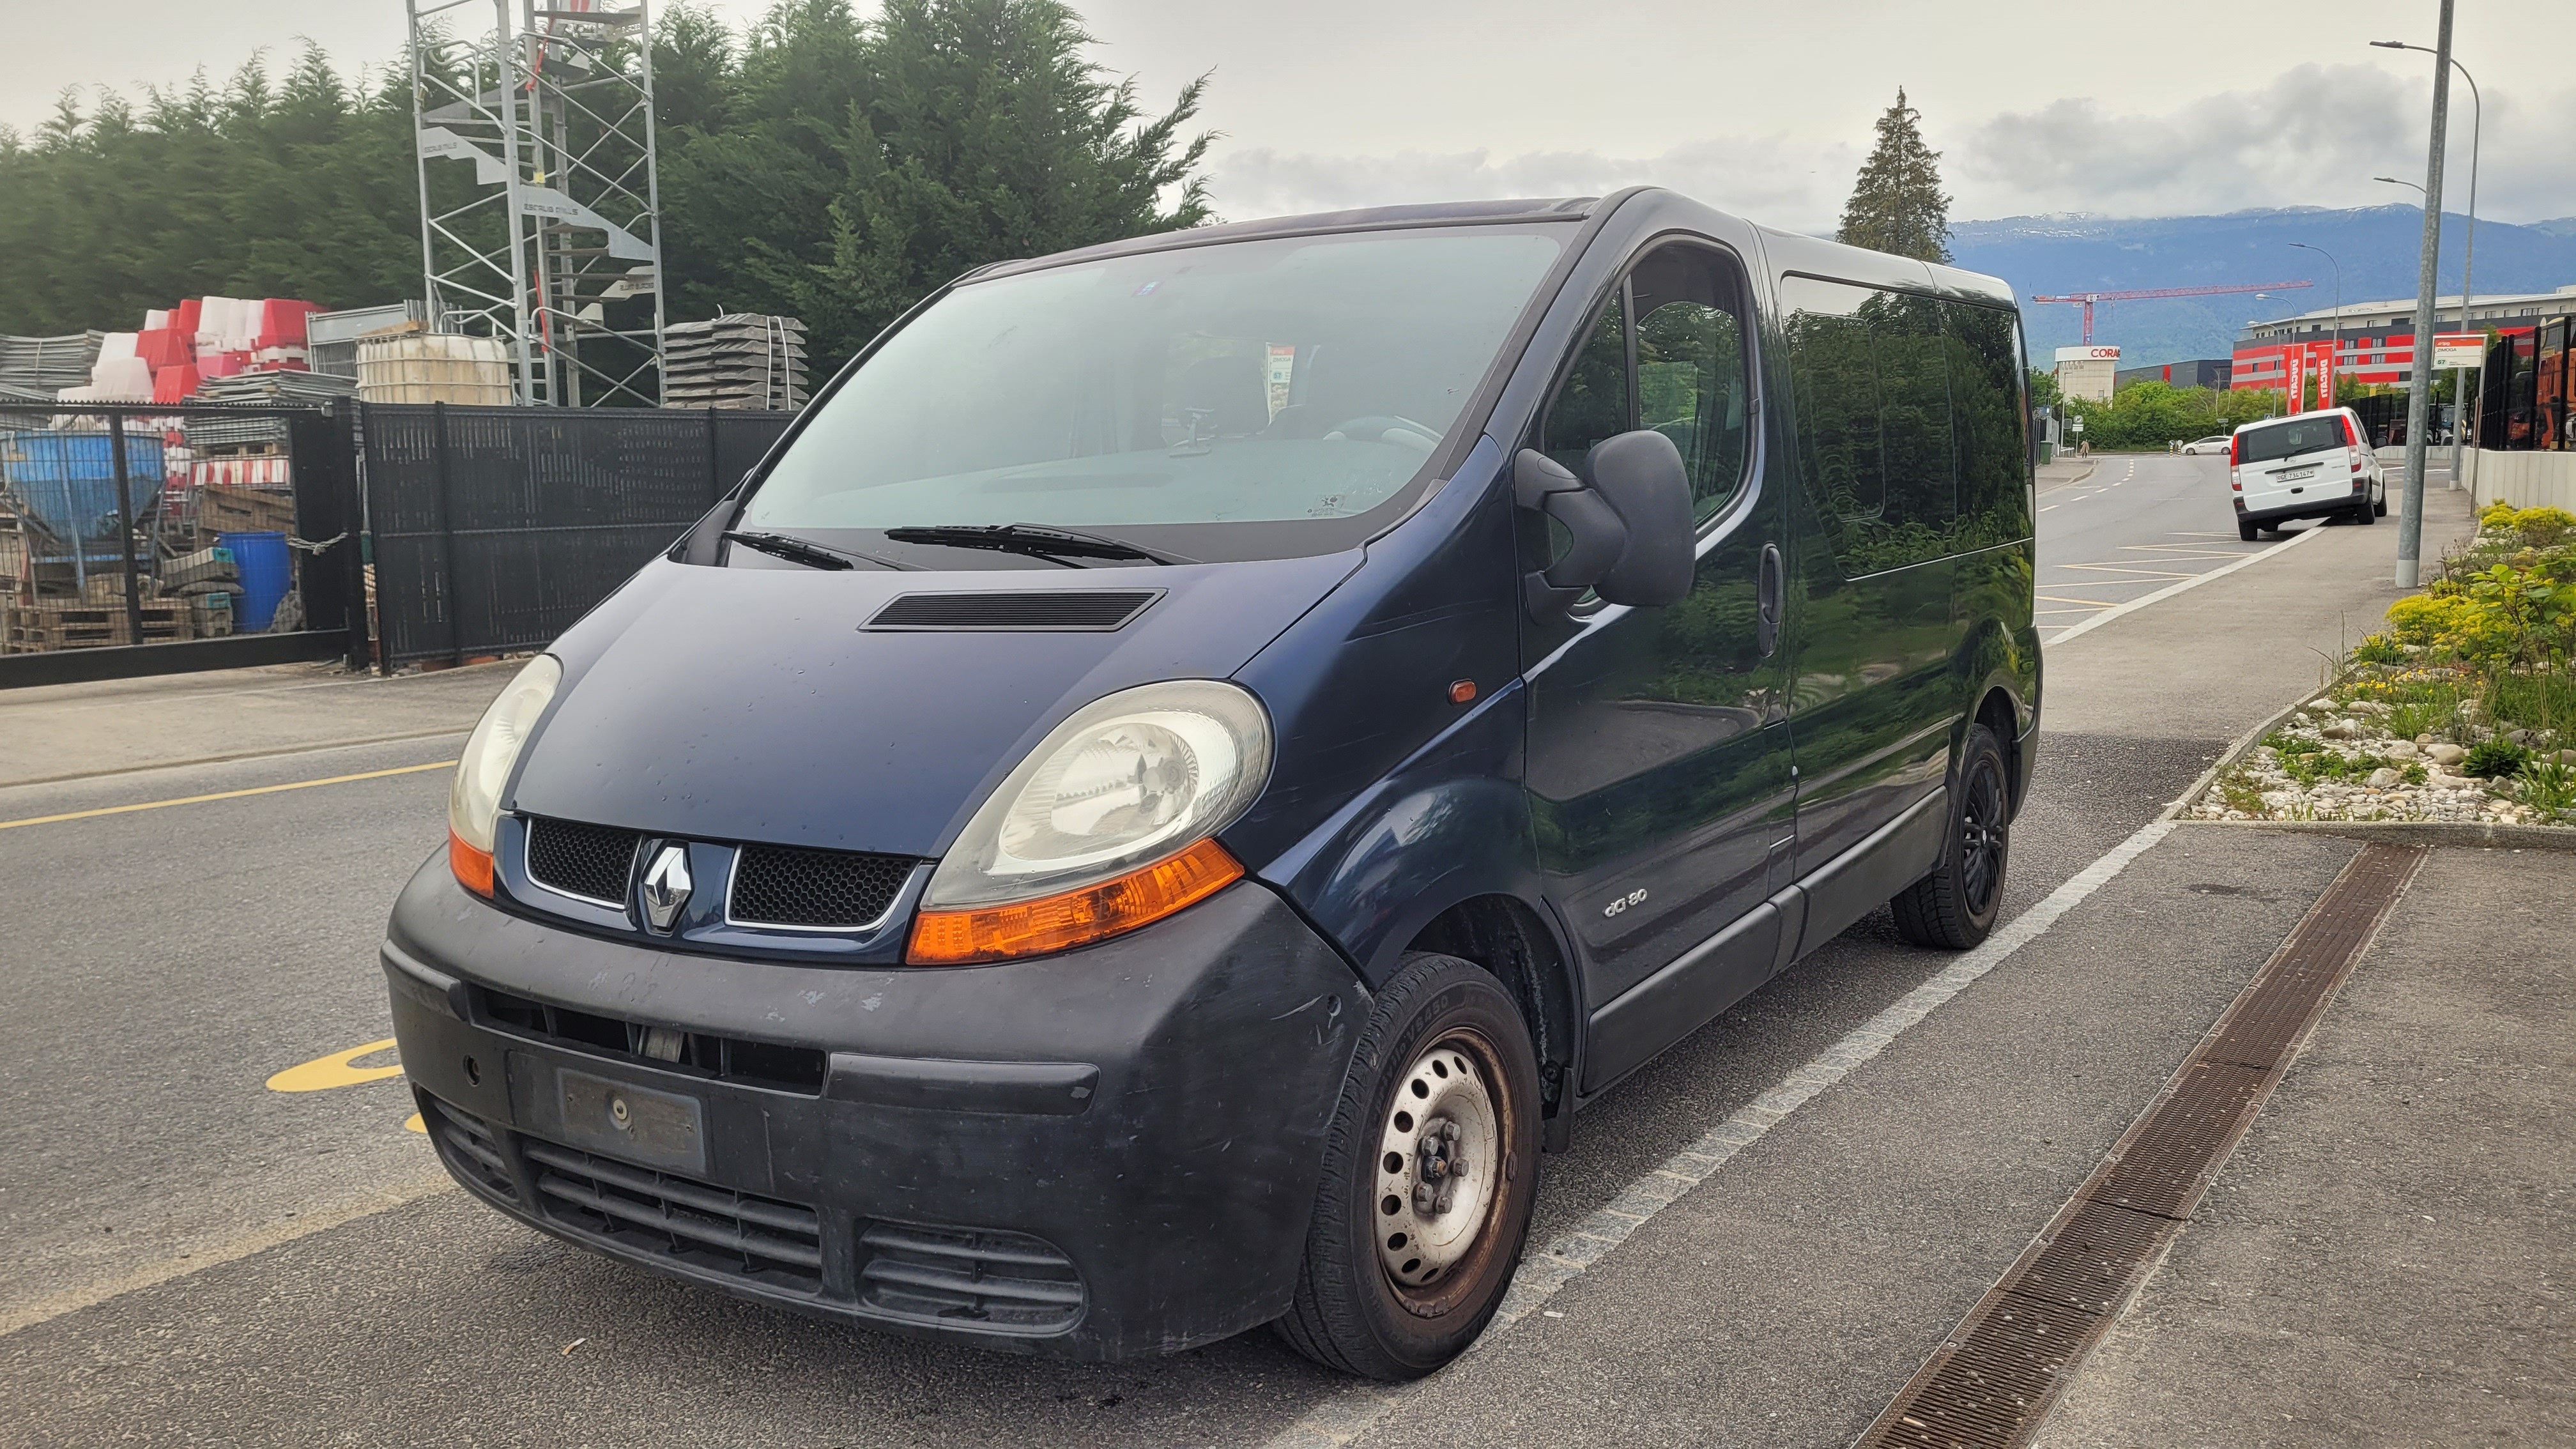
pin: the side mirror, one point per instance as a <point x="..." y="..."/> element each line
<point x="1641" y="473"/>
<point x="1543" y="485"/>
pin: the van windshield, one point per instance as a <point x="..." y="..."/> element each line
<point x="2275" y="441"/>
<point x="1269" y="381"/>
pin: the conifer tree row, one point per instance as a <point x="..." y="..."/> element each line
<point x="817" y="164"/>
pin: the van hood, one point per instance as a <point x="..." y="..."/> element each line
<point x="747" y="704"/>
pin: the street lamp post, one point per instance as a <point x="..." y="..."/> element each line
<point x="2462" y="418"/>
<point x="2419" y="401"/>
<point x="2328" y="400"/>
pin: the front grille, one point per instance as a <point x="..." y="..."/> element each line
<point x="777" y="885"/>
<point x="776" y="1243"/>
<point x="1005" y="1281"/>
<point x="582" y="860"/>
<point x="467" y="1146"/>
<point x="693" y="1053"/>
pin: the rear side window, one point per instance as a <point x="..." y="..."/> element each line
<point x="1912" y="434"/>
<point x="2275" y="441"/>
<point x="1990" y="423"/>
<point x="1680" y="370"/>
<point x="1873" y="406"/>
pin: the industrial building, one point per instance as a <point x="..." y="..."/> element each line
<point x="2378" y="337"/>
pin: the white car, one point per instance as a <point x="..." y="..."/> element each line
<point x="2314" y="465"/>
<point x="2217" y="444"/>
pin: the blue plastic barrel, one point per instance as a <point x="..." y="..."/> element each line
<point x="265" y="576"/>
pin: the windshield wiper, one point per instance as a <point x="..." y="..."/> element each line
<point x="806" y="551"/>
<point x="1058" y="544"/>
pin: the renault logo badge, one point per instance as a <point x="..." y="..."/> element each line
<point x="666" y="886"/>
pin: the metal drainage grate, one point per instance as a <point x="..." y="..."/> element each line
<point x="777" y="885"/>
<point x="1009" y="1282"/>
<point x="590" y="861"/>
<point x="1992" y="1383"/>
<point x="776" y="1243"/>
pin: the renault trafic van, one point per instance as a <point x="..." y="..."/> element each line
<point x="2314" y="465"/>
<point x="1197" y="758"/>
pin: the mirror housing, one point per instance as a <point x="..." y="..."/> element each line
<point x="1642" y="476"/>
<point x="1543" y="485"/>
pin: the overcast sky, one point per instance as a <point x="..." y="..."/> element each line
<point x="1762" y="109"/>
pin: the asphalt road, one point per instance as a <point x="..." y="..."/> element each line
<point x="202" y="1259"/>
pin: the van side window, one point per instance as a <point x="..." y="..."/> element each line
<point x="1683" y="373"/>
<point x="1988" y="416"/>
<point x="1833" y="366"/>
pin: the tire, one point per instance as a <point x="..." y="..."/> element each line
<point x="1445" y="1033"/>
<point x="2364" y="511"/>
<point x="2379" y="506"/>
<point x="2247" y="531"/>
<point x="1956" y="905"/>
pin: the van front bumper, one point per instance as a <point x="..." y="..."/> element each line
<point x="1104" y="1154"/>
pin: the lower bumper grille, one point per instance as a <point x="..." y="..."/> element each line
<point x="953" y="1275"/>
<point x="468" y="1146"/>
<point x="772" y="1242"/>
<point x="961" y="1278"/>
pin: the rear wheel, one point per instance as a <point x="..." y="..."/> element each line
<point x="2379" y="505"/>
<point x="1955" y="906"/>
<point x="1430" y="1168"/>
<point x="2246" y="531"/>
<point x="2365" y="511"/>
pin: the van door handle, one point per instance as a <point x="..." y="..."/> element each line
<point x="1766" y="628"/>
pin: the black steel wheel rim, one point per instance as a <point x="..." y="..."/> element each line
<point x="1982" y="829"/>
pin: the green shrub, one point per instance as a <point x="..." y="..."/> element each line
<point x="2489" y="759"/>
<point x="2548" y="787"/>
<point x="2378" y="649"/>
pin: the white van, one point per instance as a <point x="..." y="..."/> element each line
<point x="2315" y="465"/>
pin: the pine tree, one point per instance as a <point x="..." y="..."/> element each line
<point x="1896" y="205"/>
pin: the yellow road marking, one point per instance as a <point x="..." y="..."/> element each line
<point x="225" y="795"/>
<point x="339" y="1069"/>
<point x="413" y="1123"/>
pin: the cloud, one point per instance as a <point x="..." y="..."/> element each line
<point x="1776" y="180"/>
<point x="2313" y="137"/>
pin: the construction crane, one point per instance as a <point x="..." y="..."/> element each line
<point x="2089" y="298"/>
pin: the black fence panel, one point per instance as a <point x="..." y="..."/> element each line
<point x="494" y="529"/>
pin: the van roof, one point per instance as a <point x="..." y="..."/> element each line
<point x="1372" y="218"/>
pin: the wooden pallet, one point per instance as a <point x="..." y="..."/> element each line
<point x="243" y="510"/>
<point x="36" y="628"/>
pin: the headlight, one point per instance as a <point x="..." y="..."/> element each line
<point x="474" y="800"/>
<point x="1103" y="827"/>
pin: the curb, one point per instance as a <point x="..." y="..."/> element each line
<point x="2227" y="759"/>
<point x="2417" y="832"/>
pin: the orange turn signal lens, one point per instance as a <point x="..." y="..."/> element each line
<point x="473" y="867"/>
<point x="1076" y="918"/>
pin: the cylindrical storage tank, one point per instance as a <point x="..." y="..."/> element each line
<point x="266" y="575"/>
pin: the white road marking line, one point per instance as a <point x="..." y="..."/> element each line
<point x="1341" y="1418"/>
<point x="257" y="1240"/>
<point x="2044" y="510"/>
<point x="2195" y="581"/>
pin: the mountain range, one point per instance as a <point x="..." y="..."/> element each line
<point x="2377" y="246"/>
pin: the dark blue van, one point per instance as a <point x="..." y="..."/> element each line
<point x="1197" y="757"/>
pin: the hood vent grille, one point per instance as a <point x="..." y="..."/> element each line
<point x="1086" y="610"/>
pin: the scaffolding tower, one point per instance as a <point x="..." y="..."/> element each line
<point x="555" y="245"/>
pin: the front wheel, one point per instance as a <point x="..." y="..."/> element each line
<point x="1430" y="1168"/>
<point x="1955" y="906"/>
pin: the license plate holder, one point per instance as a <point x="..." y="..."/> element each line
<point x="634" y="1124"/>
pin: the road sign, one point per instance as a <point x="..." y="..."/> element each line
<point x="2459" y="349"/>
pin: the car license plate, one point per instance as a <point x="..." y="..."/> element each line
<point x="637" y="1124"/>
<point x="2296" y="475"/>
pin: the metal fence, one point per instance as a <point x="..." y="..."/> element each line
<point x="494" y="529"/>
<point x="146" y="539"/>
